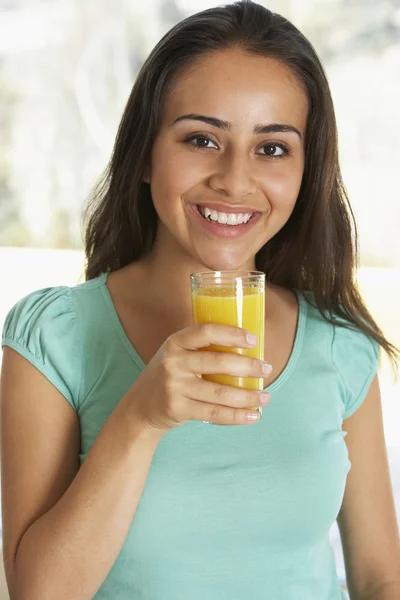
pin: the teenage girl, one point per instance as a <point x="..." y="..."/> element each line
<point x="113" y="486"/>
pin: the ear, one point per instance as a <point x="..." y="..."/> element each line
<point x="146" y="175"/>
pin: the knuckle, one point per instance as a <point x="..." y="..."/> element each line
<point x="213" y="413"/>
<point x="169" y="343"/>
<point x="164" y="364"/>
<point x="219" y="359"/>
<point x="237" y="416"/>
<point x="220" y="392"/>
<point x="201" y="361"/>
<point x="253" y="399"/>
<point x="256" y="366"/>
<point x="206" y="358"/>
<point x="167" y="364"/>
<point x="207" y="329"/>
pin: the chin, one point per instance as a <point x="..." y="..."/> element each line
<point x="223" y="263"/>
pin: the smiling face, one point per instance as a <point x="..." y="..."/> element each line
<point x="231" y="141"/>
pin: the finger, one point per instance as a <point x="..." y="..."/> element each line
<point x="227" y="363"/>
<point x="227" y="395"/>
<point x="222" y="415"/>
<point x="205" y="334"/>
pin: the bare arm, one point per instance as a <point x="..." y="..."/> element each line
<point x="61" y="525"/>
<point x="367" y="519"/>
<point x="64" y="528"/>
<point x="386" y="591"/>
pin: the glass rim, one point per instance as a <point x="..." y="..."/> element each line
<point x="227" y="275"/>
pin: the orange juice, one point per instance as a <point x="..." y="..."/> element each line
<point x="241" y="308"/>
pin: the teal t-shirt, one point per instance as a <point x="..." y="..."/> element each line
<point x="227" y="513"/>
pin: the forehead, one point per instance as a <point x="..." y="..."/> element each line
<point x="234" y="85"/>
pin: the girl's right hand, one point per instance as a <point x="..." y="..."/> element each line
<point x="170" y="390"/>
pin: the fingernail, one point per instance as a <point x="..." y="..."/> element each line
<point x="265" y="398"/>
<point x="267" y="369"/>
<point x="253" y="416"/>
<point x="251" y="339"/>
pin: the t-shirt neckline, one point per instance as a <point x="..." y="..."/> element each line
<point x="298" y="341"/>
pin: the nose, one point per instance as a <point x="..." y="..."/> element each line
<point x="233" y="176"/>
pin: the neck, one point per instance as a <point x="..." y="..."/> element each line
<point x="166" y="272"/>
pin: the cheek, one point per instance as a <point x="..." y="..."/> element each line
<point x="282" y="186"/>
<point x="174" y="174"/>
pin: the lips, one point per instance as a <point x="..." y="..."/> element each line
<point x="227" y="208"/>
<point x="219" y="230"/>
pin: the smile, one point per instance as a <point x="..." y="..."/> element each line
<point x="224" y="218"/>
<point x="223" y="225"/>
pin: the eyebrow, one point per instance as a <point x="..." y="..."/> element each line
<point x="225" y="126"/>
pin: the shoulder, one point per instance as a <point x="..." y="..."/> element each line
<point x="52" y="305"/>
<point x="46" y="305"/>
<point x="355" y="356"/>
<point x="352" y="352"/>
<point x="44" y="327"/>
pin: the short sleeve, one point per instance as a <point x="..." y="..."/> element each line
<point x="43" y="328"/>
<point x="356" y="357"/>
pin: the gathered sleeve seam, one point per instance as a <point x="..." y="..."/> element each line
<point x="349" y="410"/>
<point x="336" y="367"/>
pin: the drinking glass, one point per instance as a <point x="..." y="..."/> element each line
<point x="232" y="298"/>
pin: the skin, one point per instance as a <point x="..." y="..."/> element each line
<point x="247" y="90"/>
<point x="49" y="499"/>
<point x="234" y="168"/>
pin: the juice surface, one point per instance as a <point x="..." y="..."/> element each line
<point x="246" y="310"/>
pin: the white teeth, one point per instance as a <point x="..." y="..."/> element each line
<point x="225" y="218"/>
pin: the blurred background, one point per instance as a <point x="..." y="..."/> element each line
<point x="66" y="70"/>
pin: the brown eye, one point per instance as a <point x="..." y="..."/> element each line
<point x="200" y="141"/>
<point x="275" y="150"/>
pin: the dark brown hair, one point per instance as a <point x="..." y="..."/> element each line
<point x="317" y="249"/>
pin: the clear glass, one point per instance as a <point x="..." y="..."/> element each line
<point x="232" y="298"/>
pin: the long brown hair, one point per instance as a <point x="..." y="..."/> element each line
<point x="317" y="249"/>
